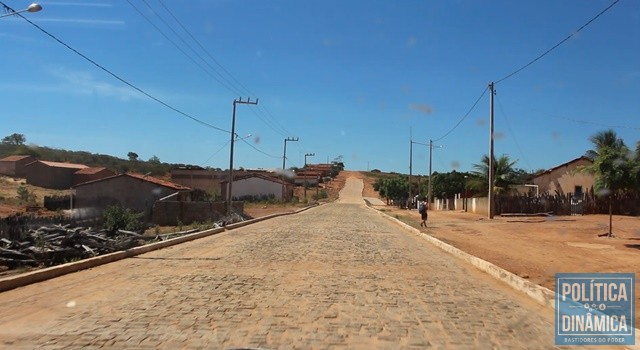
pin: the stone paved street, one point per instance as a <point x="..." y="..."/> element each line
<point x="336" y="276"/>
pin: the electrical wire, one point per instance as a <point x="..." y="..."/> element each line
<point x="558" y="44"/>
<point x="465" y="116"/>
<point x="267" y="116"/>
<point x="122" y="80"/>
<point x="216" y="152"/>
<point x="589" y="122"/>
<point x="230" y="88"/>
<point x="259" y="150"/>
<point x="514" y="137"/>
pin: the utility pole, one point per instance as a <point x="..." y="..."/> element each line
<point x="410" y="167"/>
<point x="305" y="174"/>
<point x="491" y="204"/>
<point x="233" y="137"/>
<point x="430" y="151"/>
<point x="284" y="160"/>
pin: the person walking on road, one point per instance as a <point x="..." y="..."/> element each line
<point x="422" y="209"/>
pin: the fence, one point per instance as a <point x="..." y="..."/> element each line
<point x="54" y="203"/>
<point x="628" y="204"/>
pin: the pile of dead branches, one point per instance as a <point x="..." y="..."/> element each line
<point x="58" y="244"/>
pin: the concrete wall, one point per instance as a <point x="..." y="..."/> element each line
<point x="82" y="178"/>
<point x="564" y="179"/>
<point x="167" y="213"/>
<point x="132" y="193"/>
<point x="476" y="205"/>
<point x="42" y="175"/>
<point x="256" y="186"/>
<point x="15" y="168"/>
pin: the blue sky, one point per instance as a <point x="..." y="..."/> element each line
<point x="350" y="78"/>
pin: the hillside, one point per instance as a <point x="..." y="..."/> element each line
<point x="119" y="165"/>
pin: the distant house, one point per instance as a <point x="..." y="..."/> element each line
<point x="14" y="165"/>
<point x="53" y="175"/>
<point x="257" y="185"/>
<point x="133" y="191"/>
<point x="91" y="174"/>
<point x="566" y="179"/>
<point x="199" y="178"/>
<point x="207" y="180"/>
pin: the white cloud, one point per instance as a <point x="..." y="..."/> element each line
<point x="84" y="83"/>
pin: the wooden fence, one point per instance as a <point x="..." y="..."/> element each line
<point x="568" y="205"/>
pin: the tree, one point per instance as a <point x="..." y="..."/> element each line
<point x="503" y="173"/>
<point x="14" y="139"/>
<point x="392" y="188"/>
<point x="611" y="167"/>
<point x="133" y="156"/>
<point x="154" y="160"/>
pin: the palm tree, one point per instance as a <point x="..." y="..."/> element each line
<point x="611" y="166"/>
<point x="502" y="169"/>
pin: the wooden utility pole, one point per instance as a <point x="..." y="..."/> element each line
<point x="233" y="137"/>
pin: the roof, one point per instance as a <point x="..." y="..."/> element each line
<point x="163" y="183"/>
<point x="258" y="175"/>
<point x="14" y="158"/>
<point x="90" y="171"/>
<point x="563" y="165"/>
<point x="60" y="165"/>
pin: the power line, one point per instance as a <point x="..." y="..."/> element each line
<point x="257" y="149"/>
<point x="268" y="119"/>
<point x="515" y="139"/>
<point x="464" y="117"/>
<point x="558" y="44"/>
<point x="230" y="88"/>
<point x="116" y="76"/>
<point x="591" y="122"/>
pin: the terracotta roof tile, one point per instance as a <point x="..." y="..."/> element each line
<point x="61" y="165"/>
<point x="90" y="171"/>
<point x="14" y="158"/>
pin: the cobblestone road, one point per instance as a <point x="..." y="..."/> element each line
<point x="336" y="276"/>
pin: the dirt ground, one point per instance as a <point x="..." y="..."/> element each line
<point x="9" y="202"/>
<point x="535" y="248"/>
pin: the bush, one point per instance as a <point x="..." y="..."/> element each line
<point x="118" y="218"/>
<point x="321" y="195"/>
<point x="25" y="195"/>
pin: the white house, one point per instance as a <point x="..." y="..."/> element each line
<point x="257" y="185"/>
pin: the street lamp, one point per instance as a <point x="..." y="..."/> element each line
<point x="32" y="8"/>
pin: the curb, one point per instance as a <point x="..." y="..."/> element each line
<point x="27" y="278"/>
<point x="541" y="295"/>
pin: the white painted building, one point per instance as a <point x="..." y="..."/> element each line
<point x="257" y="185"/>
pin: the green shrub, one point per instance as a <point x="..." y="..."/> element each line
<point x="118" y="218"/>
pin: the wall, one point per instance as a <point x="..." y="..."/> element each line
<point x="135" y="194"/>
<point x="564" y="179"/>
<point x="41" y="175"/>
<point x="81" y="178"/>
<point x="256" y="186"/>
<point x="167" y="213"/>
<point x="476" y="205"/>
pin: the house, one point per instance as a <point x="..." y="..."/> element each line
<point x="198" y="178"/>
<point x="133" y="191"/>
<point x="14" y="165"/>
<point x="566" y="179"/>
<point x="53" y="175"/>
<point x="257" y="185"/>
<point x="206" y="180"/>
<point x="91" y="174"/>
